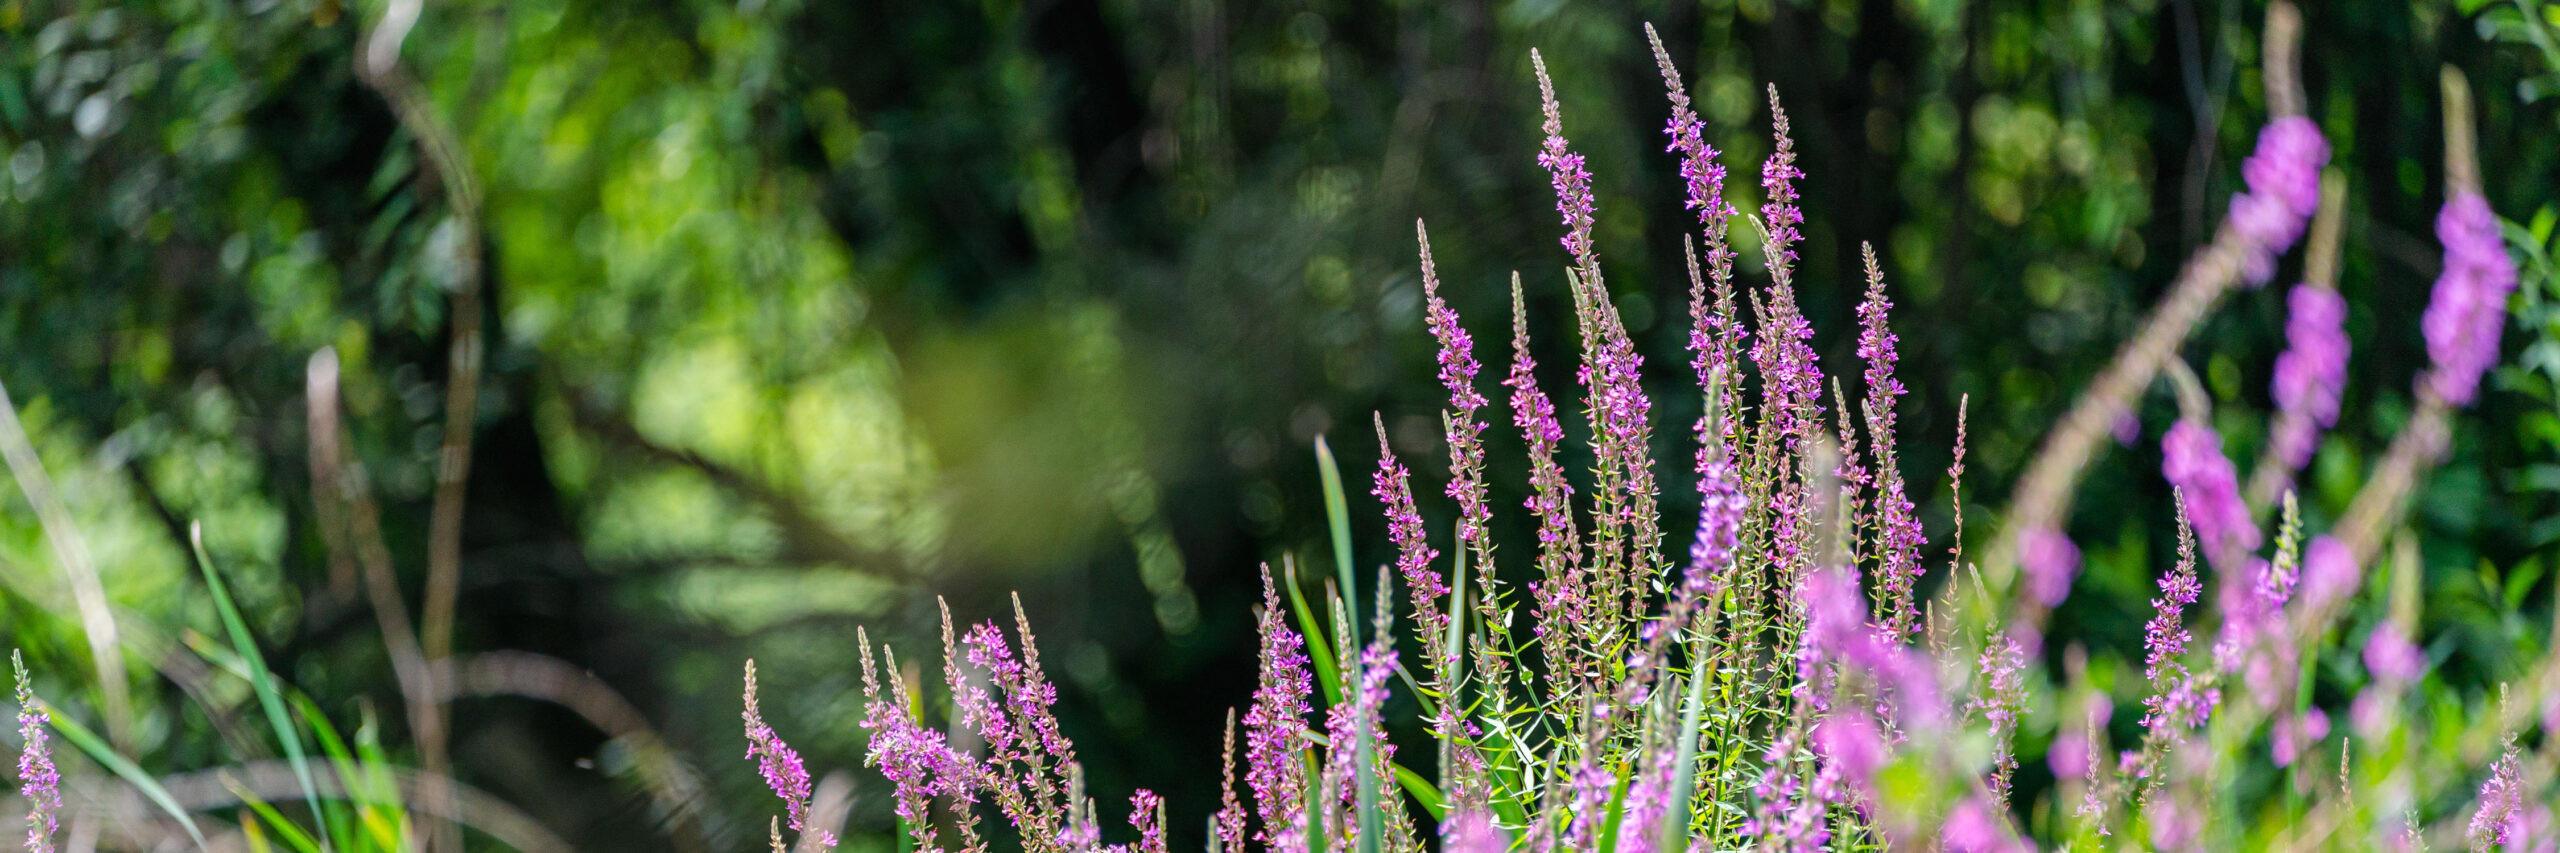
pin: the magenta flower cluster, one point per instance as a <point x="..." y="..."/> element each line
<point x="1784" y="686"/>
<point x="2311" y="374"/>
<point x="2191" y="459"/>
<point x="39" y="783"/>
<point x="2284" y="190"/>
<point x="2469" y="310"/>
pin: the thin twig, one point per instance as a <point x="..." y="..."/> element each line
<point x="351" y="527"/>
<point x="71" y="550"/>
<point x="446" y="165"/>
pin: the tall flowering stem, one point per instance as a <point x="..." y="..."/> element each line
<point x="1413" y="559"/>
<point x="2192" y="460"/>
<point x="2468" y="312"/>
<point x="2311" y="375"/>
<point x="2497" y="820"/>
<point x="782" y="768"/>
<point x="2003" y="699"/>
<point x="39" y="783"/>
<point x="1791" y="380"/>
<point x="2284" y="189"/>
<point x="1464" y="432"/>
<point x="1560" y="589"/>
<point x="1275" y="728"/>
<point x="1897" y="523"/>
<point x="1625" y="531"/>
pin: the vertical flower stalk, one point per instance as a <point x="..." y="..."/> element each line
<point x="2284" y="190"/>
<point x="1897" y="523"/>
<point x="1392" y="487"/>
<point x="39" y="783"/>
<point x="1790" y="375"/>
<point x="1791" y="380"/>
<point x="2468" y="311"/>
<point x="2192" y="460"/>
<point x="1146" y="814"/>
<point x="1625" y="530"/>
<point x="1465" y="433"/>
<point x="2049" y="562"/>
<point x="2165" y="637"/>
<point x="2498" y="819"/>
<point x="781" y="766"/>
<point x="1228" y="823"/>
<point x="1713" y="329"/>
<point x="1565" y="171"/>
<point x="2311" y="374"/>
<point x="1559" y="589"/>
<point x="1275" y="728"/>
<point x="2004" y="697"/>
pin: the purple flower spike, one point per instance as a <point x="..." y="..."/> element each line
<point x="1413" y="554"/>
<point x="2329" y="573"/>
<point x="2004" y="697"/>
<point x="39" y="783"/>
<point x="2050" y="562"/>
<point x="1564" y="170"/>
<point x="1146" y="813"/>
<point x="1897" y="522"/>
<point x="780" y="764"/>
<point x="1465" y="434"/>
<point x="2284" y="190"/>
<point x="2311" y="374"/>
<point x="2390" y="658"/>
<point x="2499" y="820"/>
<point x="1275" y="728"/>
<point x="1790" y="372"/>
<point x="2469" y="309"/>
<point x="2192" y="460"/>
<point x="2165" y="637"/>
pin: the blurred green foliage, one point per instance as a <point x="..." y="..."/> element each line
<point x="803" y="313"/>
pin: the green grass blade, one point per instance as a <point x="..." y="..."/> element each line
<point x="261" y="680"/>
<point x="266" y="814"/>
<point x="96" y="748"/>
<point x="1372" y="813"/>
<point x="1337" y="514"/>
<point x="1423" y="791"/>
<point x="1455" y="644"/>
<point x="1319" y="649"/>
<point x="1676" y="819"/>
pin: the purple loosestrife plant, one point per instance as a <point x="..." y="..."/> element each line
<point x="1275" y="728"/>
<point x="2284" y="190"/>
<point x="2049" y="562"/>
<point x="781" y="766"/>
<point x="2191" y="459"/>
<point x="2469" y="309"/>
<point x="2003" y="699"/>
<point x="2497" y="820"/>
<point x="2311" y="374"/>
<point x="1767" y="697"/>
<point x="1897" y="525"/>
<point x="38" y="782"/>
<point x="1413" y="559"/>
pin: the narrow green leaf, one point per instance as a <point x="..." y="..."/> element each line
<point x="96" y="748"/>
<point x="292" y="835"/>
<point x="1319" y="649"/>
<point x="1676" y="819"/>
<point x="260" y="679"/>
<point x="1337" y="514"/>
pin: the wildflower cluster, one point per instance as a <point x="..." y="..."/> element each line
<point x="1784" y="686"/>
